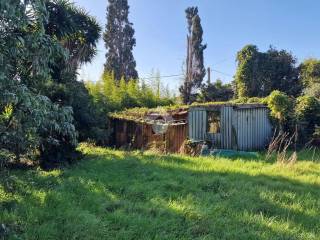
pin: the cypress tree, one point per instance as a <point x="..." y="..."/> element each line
<point x="195" y="70"/>
<point x="119" y="41"/>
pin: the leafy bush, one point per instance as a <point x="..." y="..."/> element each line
<point x="313" y="90"/>
<point x="58" y="136"/>
<point x="216" y="91"/>
<point x="30" y="121"/>
<point x="280" y="106"/>
<point x="307" y="113"/>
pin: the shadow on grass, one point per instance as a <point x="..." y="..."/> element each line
<point x="150" y="197"/>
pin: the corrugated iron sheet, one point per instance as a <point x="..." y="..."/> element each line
<point x="197" y="122"/>
<point x="242" y="128"/>
<point x="253" y="128"/>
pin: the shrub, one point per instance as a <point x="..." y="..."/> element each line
<point x="307" y="114"/>
<point x="111" y="95"/>
<point x="280" y="106"/>
<point x="58" y="137"/>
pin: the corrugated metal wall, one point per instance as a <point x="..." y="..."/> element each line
<point x="226" y="127"/>
<point x="241" y="128"/>
<point x="197" y="120"/>
<point x="253" y="128"/>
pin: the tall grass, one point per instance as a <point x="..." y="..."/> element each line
<point x="133" y="195"/>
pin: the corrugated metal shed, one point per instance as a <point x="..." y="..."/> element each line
<point x="242" y="127"/>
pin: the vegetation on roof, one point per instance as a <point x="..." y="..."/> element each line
<point x="240" y="101"/>
<point x="138" y="114"/>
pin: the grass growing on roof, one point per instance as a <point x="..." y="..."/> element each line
<point x="140" y="113"/>
<point x="132" y="195"/>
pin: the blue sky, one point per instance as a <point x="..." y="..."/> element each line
<point x="228" y="25"/>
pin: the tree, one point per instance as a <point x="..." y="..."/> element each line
<point x="309" y="75"/>
<point x="119" y="41"/>
<point x="307" y="113"/>
<point x="195" y="70"/>
<point x="155" y="82"/>
<point x="110" y="97"/>
<point x="27" y="54"/>
<point x="160" y="89"/>
<point x="216" y="92"/>
<point x="78" y="33"/>
<point x="313" y="90"/>
<point x="259" y="73"/>
<point x="310" y="72"/>
<point x="281" y="107"/>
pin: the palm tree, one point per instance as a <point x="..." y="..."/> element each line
<point x="75" y="29"/>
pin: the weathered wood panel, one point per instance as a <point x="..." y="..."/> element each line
<point x="138" y="135"/>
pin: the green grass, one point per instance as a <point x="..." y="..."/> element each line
<point x="120" y="195"/>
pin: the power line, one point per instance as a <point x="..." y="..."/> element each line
<point x="226" y="74"/>
<point x="179" y="75"/>
<point x="166" y="76"/>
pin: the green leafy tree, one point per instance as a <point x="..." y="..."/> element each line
<point x="27" y="56"/>
<point x="195" y="70"/>
<point x="216" y="92"/>
<point x="313" y="90"/>
<point x="307" y="113"/>
<point x="245" y="79"/>
<point x="110" y="97"/>
<point x="310" y="72"/>
<point x="160" y="90"/>
<point x="259" y="73"/>
<point x="281" y="108"/>
<point x="76" y="31"/>
<point x="119" y="41"/>
<point x="78" y="34"/>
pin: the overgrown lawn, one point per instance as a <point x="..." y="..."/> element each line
<point x="119" y="195"/>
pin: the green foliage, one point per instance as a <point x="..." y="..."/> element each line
<point x="139" y="113"/>
<point x="76" y="31"/>
<point x="58" y="136"/>
<point x="22" y="115"/>
<point x="280" y="106"/>
<point x="121" y="195"/>
<point x="245" y="78"/>
<point x="310" y="72"/>
<point x="109" y="96"/>
<point x="78" y="34"/>
<point x="247" y="100"/>
<point x="259" y="73"/>
<point x="313" y="90"/>
<point x="307" y="113"/>
<point x="119" y="41"/>
<point x="216" y="92"/>
<point x="30" y="72"/>
<point x="310" y="77"/>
